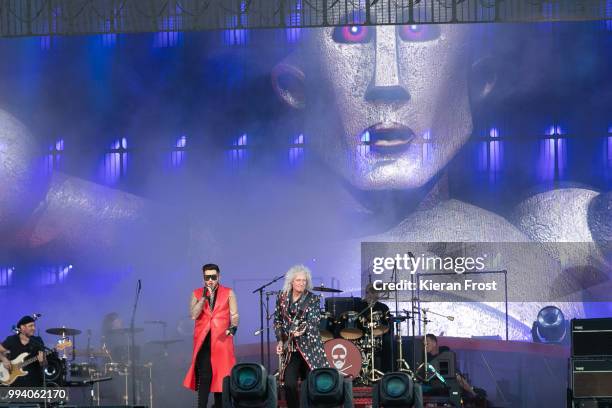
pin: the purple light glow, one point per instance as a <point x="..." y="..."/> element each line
<point x="116" y="161"/>
<point x="6" y="274"/>
<point x="490" y="156"/>
<point x="608" y="155"/>
<point x="177" y="155"/>
<point x="169" y="34"/>
<point x="237" y="36"/>
<point x="54" y="159"/>
<point x="54" y="275"/>
<point x="238" y="154"/>
<point x="553" y="155"/>
<point x="293" y="33"/>
<point x="296" y="151"/>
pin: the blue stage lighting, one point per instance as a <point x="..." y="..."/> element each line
<point x="326" y="387"/>
<point x="550" y="326"/>
<point x="249" y="386"/>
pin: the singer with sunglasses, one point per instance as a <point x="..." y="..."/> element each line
<point x="215" y="311"/>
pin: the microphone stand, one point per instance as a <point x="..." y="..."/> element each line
<point x="261" y="317"/>
<point x="131" y="348"/>
<point x="268" y="317"/>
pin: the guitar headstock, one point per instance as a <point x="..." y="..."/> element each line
<point x="63" y="344"/>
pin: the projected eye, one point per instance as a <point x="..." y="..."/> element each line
<point x="419" y="33"/>
<point x="352" y="34"/>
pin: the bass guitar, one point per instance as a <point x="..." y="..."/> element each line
<point x="8" y="376"/>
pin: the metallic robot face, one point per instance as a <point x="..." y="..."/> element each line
<point x="387" y="106"/>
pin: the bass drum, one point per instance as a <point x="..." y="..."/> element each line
<point x="344" y="356"/>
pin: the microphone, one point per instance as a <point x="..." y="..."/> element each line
<point x="451" y="318"/>
<point x="258" y="332"/>
<point x="139" y="285"/>
<point x="35" y="316"/>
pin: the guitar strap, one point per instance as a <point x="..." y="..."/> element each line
<point x="301" y="306"/>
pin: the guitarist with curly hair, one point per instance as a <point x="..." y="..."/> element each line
<point x="296" y="324"/>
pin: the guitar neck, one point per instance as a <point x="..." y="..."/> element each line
<point x="33" y="359"/>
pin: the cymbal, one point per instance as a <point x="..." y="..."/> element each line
<point x="125" y="330"/>
<point x="326" y="289"/>
<point x="63" y="331"/>
<point x="165" y="342"/>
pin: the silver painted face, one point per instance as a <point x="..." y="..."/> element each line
<point x="387" y="106"/>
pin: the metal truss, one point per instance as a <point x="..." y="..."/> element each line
<point x="73" y="17"/>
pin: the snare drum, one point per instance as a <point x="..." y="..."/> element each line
<point x="350" y="326"/>
<point x="326" y="326"/>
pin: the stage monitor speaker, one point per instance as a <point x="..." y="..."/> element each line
<point x="592" y="378"/>
<point x="591" y="337"/>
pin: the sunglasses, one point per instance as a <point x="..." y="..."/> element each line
<point x="210" y="277"/>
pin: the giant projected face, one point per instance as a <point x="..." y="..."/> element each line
<point x="385" y="106"/>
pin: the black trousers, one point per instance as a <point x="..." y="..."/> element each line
<point x="204" y="376"/>
<point x="297" y="368"/>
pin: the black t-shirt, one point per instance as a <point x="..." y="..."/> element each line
<point x="34" y="378"/>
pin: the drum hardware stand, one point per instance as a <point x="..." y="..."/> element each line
<point x="261" y="329"/>
<point x="132" y="347"/>
<point x="425" y="365"/>
<point x="375" y="375"/>
<point x="402" y="365"/>
<point x="149" y="365"/>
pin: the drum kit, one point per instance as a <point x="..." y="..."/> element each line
<point x="352" y="331"/>
<point x="88" y="367"/>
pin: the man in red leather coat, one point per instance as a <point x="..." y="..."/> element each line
<point x="215" y="311"/>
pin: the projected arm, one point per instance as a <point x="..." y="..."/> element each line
<point x="196" y="306"/>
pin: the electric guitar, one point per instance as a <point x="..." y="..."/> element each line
<point x="8" y="376"/>
<point x="288" y="348"/>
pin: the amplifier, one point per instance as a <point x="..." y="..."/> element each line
<point x="592" y="378"/>
<point x="591" y="337"/>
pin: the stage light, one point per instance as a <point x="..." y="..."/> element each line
<point x="326" y="387"/>
<point x="550" y="326"/>
<point x="248" y="385"/>
<point x="394" y="390"/>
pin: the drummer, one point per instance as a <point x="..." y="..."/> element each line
<point x="382" y="361"/>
